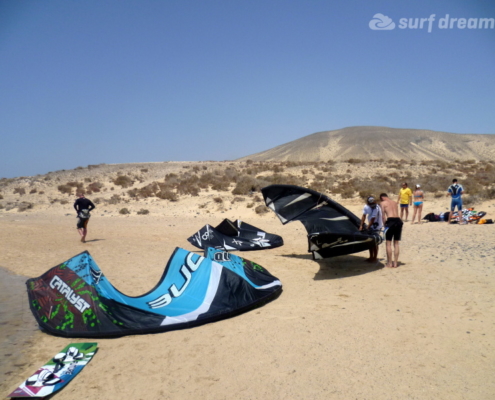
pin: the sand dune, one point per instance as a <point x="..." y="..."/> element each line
<point x="371" y="143"/>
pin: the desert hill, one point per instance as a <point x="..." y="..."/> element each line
<point x="372" y="142"/>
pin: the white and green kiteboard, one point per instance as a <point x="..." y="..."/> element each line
<point x="57" y="372"/>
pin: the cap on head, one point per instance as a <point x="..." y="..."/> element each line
<point x="418" y="186"/>
<point x="370" y="200"/>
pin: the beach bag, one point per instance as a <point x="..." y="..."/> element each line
<point x="84" y="214"/>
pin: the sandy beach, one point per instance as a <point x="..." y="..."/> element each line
<point x="341" y="329"/>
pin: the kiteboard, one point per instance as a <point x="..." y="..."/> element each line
<point x="57" y="372"/>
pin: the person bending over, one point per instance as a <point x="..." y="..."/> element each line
<point x="375" y="222"/>
<point x="393" y="229"/>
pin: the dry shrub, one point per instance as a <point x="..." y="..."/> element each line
<point x="64" y="202"/>
<point x="115" y="199"/>
<point x="1" y="196"/>
<point x="221" y="185"/>
<point x="167" y="195"/>
<point x="65" y="189"/>
<point x="74" y="184"/>
<point x="94" y="187"/>
<point x="123" y="181"/>
<point x="189" y="184"/>
<point x="261" y="209"/>
<point x="277" y="179"/>
<point x="218" y="200"/>
<point x="124" y="211"/>
<point x="142" y="211"/>
<point x="246" y="184"/>
<point x="19" y="191"/>
<point x="25" y="206"/>
<point x="32" y="191"/>
<point x="238" y="199"/>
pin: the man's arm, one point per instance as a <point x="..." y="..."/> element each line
<point x="91" y="206"/>
<point x="363" y="218"/>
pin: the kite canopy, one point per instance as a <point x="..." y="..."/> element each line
<point x="332" y="229"/>
<point x="235" y="235"/>
<point x="75" y="299"/>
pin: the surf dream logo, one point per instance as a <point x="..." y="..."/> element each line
<point x="381" y="22"/>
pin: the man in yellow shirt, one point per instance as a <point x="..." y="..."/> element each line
<point x="404" y="199"/>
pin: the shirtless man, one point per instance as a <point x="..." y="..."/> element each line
<point x="393" y="228"/>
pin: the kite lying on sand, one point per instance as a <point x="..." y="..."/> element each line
<point x="75" y="299"/>
<point x="235" y="235"/>
<point x="332" y="229"/>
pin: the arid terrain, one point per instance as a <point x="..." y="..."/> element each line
<point x="341" y="329"/>
<point x="374" y="142"/>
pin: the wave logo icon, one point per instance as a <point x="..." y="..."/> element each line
<point x="381" y="22"/>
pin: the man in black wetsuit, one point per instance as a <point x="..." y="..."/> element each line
<point x="83" y="206"/>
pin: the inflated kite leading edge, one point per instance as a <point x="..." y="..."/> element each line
<point x="75" y="299"/>
<point x="332" y="229"/>
<point x="237" y="235"/>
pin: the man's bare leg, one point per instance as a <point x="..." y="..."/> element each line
<point x="396" y="253"/>
<point x="373" y="254"/>
<point x="389" y="254"/>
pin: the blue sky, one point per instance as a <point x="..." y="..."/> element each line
<point x="116" y="81"/>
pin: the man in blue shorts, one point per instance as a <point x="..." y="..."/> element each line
<point x="455" y="191"/>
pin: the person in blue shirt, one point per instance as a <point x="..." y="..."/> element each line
<point x="455" y="191"/>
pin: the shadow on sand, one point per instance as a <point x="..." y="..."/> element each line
<point x="341" y="266"/>
<point x="93" y="240"/>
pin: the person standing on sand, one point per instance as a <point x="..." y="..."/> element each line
<point x="375" y="222"/>
<point x="393" y="229"/>
<point x="405" y="200"/>
<point x="419" y="198"/>
<point x="83" y="206"/>
<point x="455" y="191"/>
